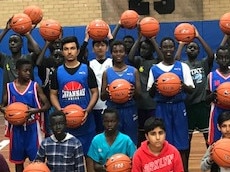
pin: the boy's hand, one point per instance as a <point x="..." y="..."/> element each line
<point x="131" y="91"/>
<point x="85" y="117"/>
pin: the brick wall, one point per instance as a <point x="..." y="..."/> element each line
<point x="81" y="12"/>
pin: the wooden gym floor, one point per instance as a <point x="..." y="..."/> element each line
<point x="197" y="151"/>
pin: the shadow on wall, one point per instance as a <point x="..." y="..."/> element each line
<point x="209" y="30"/>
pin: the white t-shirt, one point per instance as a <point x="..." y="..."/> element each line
<point x="98" y="69"/>
<point x="185" y="69"/>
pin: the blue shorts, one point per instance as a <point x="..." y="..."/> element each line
<point x="176" y="123"/>
<point x="129" y="122"/>
<point x="24" y="142"/>
<point x="98" y="120"/>
<point x="214" y="133"/>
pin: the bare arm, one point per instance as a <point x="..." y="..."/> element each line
<point x="137" y="85"/>
<point x="34" y="47"/>
<point x="206" y="48"/>
<point x="224" y="40"/>
<point x="157" y="49"/>
<point x="179" y="50"/>
<point x="116" y="29"/>
<point x="131" y="55"/>
<point x="42" y="54"/>
<point x="93" y="99"/>
<point x="104" y="85"/>
<point x="5" y="30"/>
<point x="54" y="99"/>
<point x="45" y="102"/>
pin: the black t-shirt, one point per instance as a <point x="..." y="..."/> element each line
<point x="92" y="81"/>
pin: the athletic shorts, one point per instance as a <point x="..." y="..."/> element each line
<point x="128" y="122"/>
<point x="198" y="117"/>
<point x="176" y="123"/>
<point x="24" y="142"/>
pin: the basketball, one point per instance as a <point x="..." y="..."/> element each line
<point x="184" y="32"/>
<point x="36" y="167"/>
<point x="119" y="91"/>
<point x="74" y="115"/>
<point x="149" y="27"/>
<point x="129" y="19"/>
<point x="118" y="163"/>
<point x="221" y="153"/>
<point x="50" y="29"/>
<point x="98" y="29"/>
<point x="15" y="113"/>
<point x="34" y="12"/>
<point x="21" y="23"/>
<point x="224" y="23"/>
<point x="168" y="84"/>
<point x="223" y="95"/>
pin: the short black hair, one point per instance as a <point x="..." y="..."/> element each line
<point x="21" y="62"/>
<point x="17" y="35"/>
<point x="167" y="38"/>
<point x="129" y="37"/>
<point x="115" y="43"/>
<point x="104" y="41"/>
<point x="224" y="116"/>
<point x="152" y="123"/>
<point x="70" y="39"/>
<point x="56" y="113"/>
<point x="225" y="47"/>
<point x="110" y="110"/>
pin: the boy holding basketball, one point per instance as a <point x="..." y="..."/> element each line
<point x="127" y="111"/>
<point x="197" y="109"/>
<point x="172" y="109"/>
<point x="109" y="142"/>
<point x="75" y="83"/>
<point x="25" y="139"/>
<point x="223" y="125"/>
<point x="216" y="78"/>
<point x="156" y="154"/>
<point x="61" y="143"/>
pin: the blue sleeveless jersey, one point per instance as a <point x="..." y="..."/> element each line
<point x="128" y="75"/>
<point x="29" y="96"/>
<point x="177" y="69"/>
<point x="215" y="79"/>
<point x="73" y="89"/>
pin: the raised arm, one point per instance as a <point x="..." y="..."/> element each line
<point x="206" y="47"/>
<point x="157" y="49"/>
<point x="42" y="54"/>
<point x="179" y="50"/>
<point x="5" y="30"/>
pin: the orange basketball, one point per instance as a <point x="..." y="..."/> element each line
<point x="119" y="90"/>
<point x="36" y="167"/>
<point x="15" y="113"/>
<point x="221" y="153"/>
<point x="21" y="23"/>
<point x="184" y="32"/>
<point x="34" y="12"/>
<point x="50" y="29"/>
<point x="74" y="115"/>
<point x="118" y="163"/>
<point x="98" y="29"/>
<point x="224" y="23"/>
<point x="168" y="84"/>
<point x="129" y="19"/>
<point x="223" y="94"/>
<point x="149" y="27"/>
